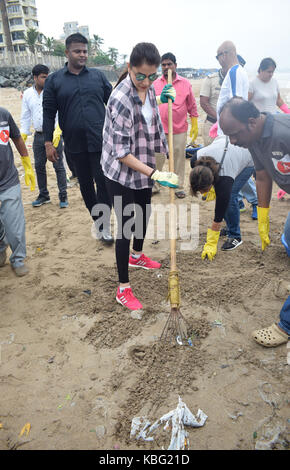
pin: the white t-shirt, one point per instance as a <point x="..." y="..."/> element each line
<point x="236" y="159"/>
<point x="265" y="94"/>
<point x="236" y="83"/>
<point x="147" y="111"/>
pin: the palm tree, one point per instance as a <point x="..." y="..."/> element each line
<point x="113" y="54"/>
<point x="97" y="41"/>
<point x="33" y="39"/>
<point x="49" y="44"/>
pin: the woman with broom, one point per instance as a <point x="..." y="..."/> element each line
<point x="133" y="133"/>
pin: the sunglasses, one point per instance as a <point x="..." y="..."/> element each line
<point x="221" y="53"/>
<point x="141" y="76"/>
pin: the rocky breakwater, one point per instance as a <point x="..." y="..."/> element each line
<point x="15" y="77"/>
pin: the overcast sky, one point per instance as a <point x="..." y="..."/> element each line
<point x="191" y="29"/>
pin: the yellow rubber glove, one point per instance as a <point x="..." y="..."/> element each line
<point x="210" y="248"/>
<point x="264" y="226"/>
<point x="194" y="129"/>
<point x="24" y="137"/>
<point x="210" y="195"/>
<point x="29" y="173"/>
<point x="56" y="136"/>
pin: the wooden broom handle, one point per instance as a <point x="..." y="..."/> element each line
<point x="172" y="190"/>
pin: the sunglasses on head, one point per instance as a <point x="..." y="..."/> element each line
<point x="141" y="76"/>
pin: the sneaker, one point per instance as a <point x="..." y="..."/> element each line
<point x="127" y="299"/>
<point x="231" y="244"/>
<point x="3" y="256"/>
<point x="106" y="236"/>
<point x="143" y="262"/>
<point x="254" y="212"/>
<point x="20" y="271"/>
<point x="40" y="201"/>
<point x="63" y="203"/>
<point x="242" y="206"/>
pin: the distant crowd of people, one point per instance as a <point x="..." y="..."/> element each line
<point x="115" y="142"/>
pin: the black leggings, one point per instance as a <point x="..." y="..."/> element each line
<point x="132" y="208"/>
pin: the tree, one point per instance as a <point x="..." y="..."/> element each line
<point x="58" y="49"/>
<point x="97" y="41"/>
<point x="33" y="39"/>
<point x="49" y="44"/>
<point x="113" y="54"/>
<point x="102" y="59"/>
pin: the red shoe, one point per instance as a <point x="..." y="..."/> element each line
<point x="143" y="262"/>
<point x="127" y="299"/>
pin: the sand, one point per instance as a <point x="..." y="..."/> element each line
<point x="79" y="367"/>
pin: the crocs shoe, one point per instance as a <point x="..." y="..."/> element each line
<point x="127" y="299"/>
<point x="270" y="337"/>
<point x="143" y="262"/>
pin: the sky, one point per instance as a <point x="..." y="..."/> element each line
<point x="191" y="29"/>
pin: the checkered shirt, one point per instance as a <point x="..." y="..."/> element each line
<point x="126" y="132"/>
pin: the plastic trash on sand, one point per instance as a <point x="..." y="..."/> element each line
<point x="176" y="419"/>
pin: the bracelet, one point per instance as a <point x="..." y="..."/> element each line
<point x="152" y="173"/>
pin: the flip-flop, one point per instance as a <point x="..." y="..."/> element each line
<point x="270" y="337"/>
<point x="180" y="194"/>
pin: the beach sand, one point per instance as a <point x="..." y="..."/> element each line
<point x="78" y="367"/>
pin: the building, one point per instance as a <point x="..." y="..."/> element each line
<point x="17" y="16"/>
<point x="73" y="27"/>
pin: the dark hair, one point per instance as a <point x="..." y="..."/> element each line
<point x="39" y="69"/>
<point x="76" y="37"/>
<point x="144" y="52"/>
<point x="169" y="56"/>
<point x="204" y="173"/>
<point x="266" y="63"/>
<point x="241" y="109"/>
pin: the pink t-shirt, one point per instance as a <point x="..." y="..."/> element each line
<point x="184" y="104"/>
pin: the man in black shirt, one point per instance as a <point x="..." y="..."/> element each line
<point x="79" y="95"/>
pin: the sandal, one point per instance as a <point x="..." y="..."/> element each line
<point x="180" y="194"/>
<point x="270" y="337"/>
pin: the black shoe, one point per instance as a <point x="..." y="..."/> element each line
<point x="223" y="232"/>
<point x="40" y="201"/>
<point x="231" y="244"/>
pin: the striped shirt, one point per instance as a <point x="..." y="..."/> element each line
<point x="127" y="132"/>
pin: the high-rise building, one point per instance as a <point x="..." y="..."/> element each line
<point x="73" y="27"/>
<point x="17" y="16"/>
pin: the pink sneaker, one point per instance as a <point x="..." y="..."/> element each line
<point x="127" y="299"/>
<point x="144" y="262"/>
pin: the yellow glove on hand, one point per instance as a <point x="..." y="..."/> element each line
<point x="210" y="248"/>
<point x="29" y="173"/>
<point x="24" y="137"/>
<point x="165" y="178"/>
<point x="210" y="195"/>
<point x="56" y="136"/>
<point x="194" y="129"/>
<point x="264" y="226"/>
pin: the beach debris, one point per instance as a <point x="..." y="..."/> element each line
<point x="100" y="431"/>
<point x="176" y="420"/>
<point x="25" y="429"/>
<point x="267" y="394"/>
<point x="88" y="292"/>
<point x="271" y="438"/>
<point x="1" y="426"/>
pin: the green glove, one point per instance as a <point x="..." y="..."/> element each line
<point x="264" y="226"/>
<point x="194" y="129"/>
<point x="167" y="92"/>
<point x="24" y="137"/>
<point x="29" y="173"/>
<point x="210" y="195"/>
<point x="210" y="248"/>
<point x="165" y="178"/>
<point x="56" y="136"/>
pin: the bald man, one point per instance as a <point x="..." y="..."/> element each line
<point x="236" y="82"/>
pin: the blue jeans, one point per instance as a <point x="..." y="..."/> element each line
<point x="232" y="215"/>
<point x="13" y="220"/>
<point x="40" y="167"/>
<point x="249" y="192"/>
<point x="284" y="322"/>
